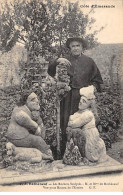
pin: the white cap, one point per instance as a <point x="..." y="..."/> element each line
<point x="88" y="92"/>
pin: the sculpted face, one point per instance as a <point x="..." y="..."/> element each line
<point x="33" y="102"/>
<point x="76" y="48"/>
<point x="84" y="103"/>
<point x="9" y="148"/>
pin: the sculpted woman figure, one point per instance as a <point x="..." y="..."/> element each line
<point x="26" y="128"/>
<point x="84" y="119"/>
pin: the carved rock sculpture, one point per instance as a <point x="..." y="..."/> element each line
<point x="72" y="155"/>
<point x="78" y="138"/>
<point x="26" y="127"/>
<point x="32" y="155"/>
<point x="93" y="149"/>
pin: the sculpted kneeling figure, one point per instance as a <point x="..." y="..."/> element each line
<point x="93" y="148"/>
<point x="26" y="128"/>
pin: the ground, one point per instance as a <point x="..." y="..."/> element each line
<point x="116" y="151"/>
<point x="55" y="170"/>
<point x="24" y="172"/>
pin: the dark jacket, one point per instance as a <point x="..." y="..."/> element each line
<point x="83" y="72"/>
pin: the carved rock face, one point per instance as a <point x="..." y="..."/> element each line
<point x="9" y="148"/>
<point x="84" y="103"/>
<point x="33" y="102"/>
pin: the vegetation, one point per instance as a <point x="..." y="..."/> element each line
<point x="40" y="25"/>
<point x="43" y="27"/>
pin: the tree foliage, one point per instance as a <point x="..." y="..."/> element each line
<point x="25" y="22"/>
<point x="40" y="25"/>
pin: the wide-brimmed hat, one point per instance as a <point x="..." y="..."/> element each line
<point x="78" y="39"/>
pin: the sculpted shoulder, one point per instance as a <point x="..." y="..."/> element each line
<point x="87" y="113"/>
<point x="18" y="109"/>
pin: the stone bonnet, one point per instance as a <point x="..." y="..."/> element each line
<point x="88" y="92"/>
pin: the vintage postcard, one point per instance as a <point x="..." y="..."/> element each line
<point x="61" y="95"/>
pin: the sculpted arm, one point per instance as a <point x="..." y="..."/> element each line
<point x="24" y="120"/>
<point x="42" y="127"/>
<point x="80" y="121"/>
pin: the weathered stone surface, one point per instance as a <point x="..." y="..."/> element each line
<point x="57" y="170"/>
<point x="72" y="155"/>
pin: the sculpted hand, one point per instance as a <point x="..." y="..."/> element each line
<point x="95" y="90"/>
<point x="70" y="123"/>
<point x="38" y="131"/>
<point x="70" y="117"/>
<point x="64" y="61"/>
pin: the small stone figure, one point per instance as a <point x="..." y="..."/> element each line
<point x="32" y="155"/>
<point x="78" y="138"/>
<point x="72" y="155"/>
<point x="84" y="119"/>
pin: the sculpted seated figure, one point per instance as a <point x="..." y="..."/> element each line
<point x="26" y="128"/>
<point x="84" y="121"/>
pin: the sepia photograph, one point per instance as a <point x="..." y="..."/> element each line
<point x="61" y="95"/>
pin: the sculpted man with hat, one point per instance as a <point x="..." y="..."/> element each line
<point x="83" y="72"/>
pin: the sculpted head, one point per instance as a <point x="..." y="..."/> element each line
<point x="29" y="99"/>
<point x="87" y="95"/>
<point x="84" y="103"/>
<point x="33" y="102"/>
<point x="10" y="148"/>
